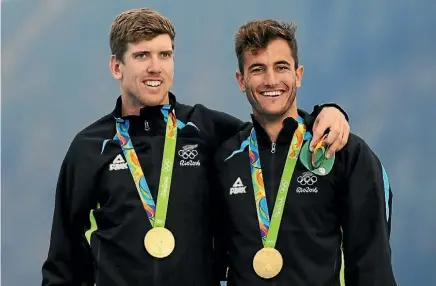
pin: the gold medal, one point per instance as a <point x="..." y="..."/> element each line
<point x="159" y="242"/>
<point x="267" y="262"/>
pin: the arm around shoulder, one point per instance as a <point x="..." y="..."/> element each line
<point x="317" y="109"/>
<point x="222" y="126"/>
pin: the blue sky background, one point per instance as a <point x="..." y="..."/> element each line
<point x="377" y="59"/>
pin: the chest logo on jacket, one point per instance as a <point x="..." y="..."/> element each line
<point x="307" y="183"/>
<point x="188" y="153"/>
<point x="118" y="164"/>
<point x="238" y="187"/>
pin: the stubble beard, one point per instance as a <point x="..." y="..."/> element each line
<point x="137" y="100"/>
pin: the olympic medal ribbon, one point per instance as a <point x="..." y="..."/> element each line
<point x="268" y="262"/>
<point x="269" y="232"/>
<point x="156" y="214"/>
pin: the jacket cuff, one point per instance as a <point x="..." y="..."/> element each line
<point x="317" y="109"/>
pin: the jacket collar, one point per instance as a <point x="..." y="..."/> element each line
<point x="147" y="112"/>
<point x="287" y="131"/>
<point x="149" y="121"/>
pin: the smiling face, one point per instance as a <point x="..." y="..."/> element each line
<point x="147" y="71"/>
<point x="142" y="45"/>
<point x="270" y="80"/>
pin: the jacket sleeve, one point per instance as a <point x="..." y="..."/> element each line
<point x="366" y="220"/>
<point x="69" y="261"/>
<point x="317" y="109"/>
<point x="224" y="125"/>
<point x="220" y="127"/>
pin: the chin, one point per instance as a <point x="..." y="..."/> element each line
<point x="152" y="100"/>
<point x="271" y="113"/>
<point x="276" y="110"/>
<point x="273" y="110"/>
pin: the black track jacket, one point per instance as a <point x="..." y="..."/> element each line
<point x="99" y="222"/>
<point x="354" y="198"/>
<point x="95" y="176"/>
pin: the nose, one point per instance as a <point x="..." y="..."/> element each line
<point x="154" y="65"/>
<point x="270" y="78"/>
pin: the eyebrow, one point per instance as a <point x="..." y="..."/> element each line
<point x="147" y="52"/>
<point x="282" y="63"/>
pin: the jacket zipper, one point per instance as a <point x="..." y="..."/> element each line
<point x="273" y="151"/>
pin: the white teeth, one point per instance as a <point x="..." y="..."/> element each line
<point x="272" y="93"/>
<point x="153" y="82"/>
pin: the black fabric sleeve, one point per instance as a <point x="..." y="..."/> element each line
<point x="366" y="212"/>
<point x="317" y="109"/>
<point x="221" y="127"/>
<point x="69" y="260"/>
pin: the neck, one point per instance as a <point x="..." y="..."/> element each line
<point x="274" y="124"/>
<point x="127" y="110"/>
<point x="132" y="106"/>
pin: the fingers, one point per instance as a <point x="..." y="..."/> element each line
<point x="338" y="127"/>
<point x="319" y="128"/>
<point x="346" y="133"/>
<point x="340" y="141"/>
<point x="336" y="139"/>
<point x="335" y="146"/>
<point x="335" y="132"/>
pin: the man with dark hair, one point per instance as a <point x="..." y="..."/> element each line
<point x="285" y="210"/>
<point x="132" y="201"/>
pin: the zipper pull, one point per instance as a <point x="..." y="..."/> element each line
<point x="273" y="148"/>
<point x="146" y="126"/>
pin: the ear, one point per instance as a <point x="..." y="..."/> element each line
<point x="299" y="72"/>
<point x="116" y="67"/>
<point x="240" y="80"/>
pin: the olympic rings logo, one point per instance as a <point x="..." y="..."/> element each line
<point x="307" y="179"/>
<point x="188" y="154"/>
